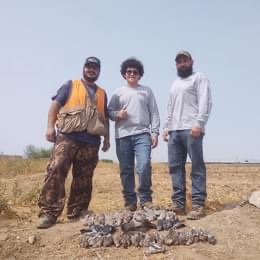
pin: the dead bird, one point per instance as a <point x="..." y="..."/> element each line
<point x="150" y="214"/>
<point x="161" y="215"/>
<point x="109" y="220"/>
<point x="166" y="224"/>
<point x="97" y="241"/>
<point x="125" y="241"/>
<point x="117" y="219"/>
<point x="203" y="235"/>
<point x="155" y="248"/>
<point x="83" y="242"/>
<point x="88" y="220"/>
<point x="108" y="240"/>
<point x="139" y="216"/>
<point x="171" y="215"/>
<point x="188" y="237"/>
<point x="211" y="239"/>
<point x="99" y="229"/>
<point x="100" y="219"/>
<point x="134" y="225"/>
<point x="136" y="238"/>
<point x="126" y="217"/>
<point x="117" y="239"/>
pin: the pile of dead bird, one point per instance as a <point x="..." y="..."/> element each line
<point x="153" y="228"/>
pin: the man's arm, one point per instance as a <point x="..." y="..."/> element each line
<point x="52" y="117"/>
<point x="165" y="133"/>
<point x="204" y="106"/>
<point x="113" y="108"/>
<point x="204" y="101"/>
<point x="58" y="101"/>
<point x="106" y="142"/>
<point x="154" y="118"/>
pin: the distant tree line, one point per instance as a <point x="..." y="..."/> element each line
<point x="32" y="152"/>
<point x="106" y="160"/>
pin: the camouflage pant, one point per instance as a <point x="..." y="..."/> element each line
<point x="84" y="158"/>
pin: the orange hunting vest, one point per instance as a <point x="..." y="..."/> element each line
<point x="77" y="98"/>
<point x="71" y="116"/>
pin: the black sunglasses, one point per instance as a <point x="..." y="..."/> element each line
<point x="135" y="72"/>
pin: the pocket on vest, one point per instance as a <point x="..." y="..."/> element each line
<point x="74" y="121"/>
<point x="96" y="124"/>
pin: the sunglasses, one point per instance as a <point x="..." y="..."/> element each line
<point x="134" y="72"/>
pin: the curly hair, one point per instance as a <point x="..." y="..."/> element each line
<point x="132" y="63"/>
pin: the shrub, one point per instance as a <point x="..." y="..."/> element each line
<point x="31" y="197"/>
<point x="4" y="207"/>
<point x="32" y="152"/>
<point x="3" y="204"/>
<point x="106" y="161"/>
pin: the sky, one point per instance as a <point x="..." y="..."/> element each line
<point x="45" y="43"/>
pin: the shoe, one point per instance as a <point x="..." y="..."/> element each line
<point x="46" y="221"/>
<point x="77" y="213"/>
<point x="181" y="211"/>
<point x="130" y="207"/>
<point x="147" y="204"/>
<point x="197" y="213"/>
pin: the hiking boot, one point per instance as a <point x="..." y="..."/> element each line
<point x="197" y="213"/>
<point x="46" y="221"/>
<point x="181" y="211"/>
<point x="77" y="213"/>
<point x="130" y="207"/>
<point x="147" y="204"/>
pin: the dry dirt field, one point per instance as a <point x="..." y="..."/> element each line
<point x="236" y="227"/>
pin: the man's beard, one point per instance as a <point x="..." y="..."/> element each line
<point x="185" y="73"/>
<point x="90" y="79"/>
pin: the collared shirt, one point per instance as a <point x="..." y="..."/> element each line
<point x="189" y="103"/>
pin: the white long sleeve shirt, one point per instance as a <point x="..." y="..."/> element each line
<point x="189" y="103"/>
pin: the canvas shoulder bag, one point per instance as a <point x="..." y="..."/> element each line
<point x="95" y="121"/>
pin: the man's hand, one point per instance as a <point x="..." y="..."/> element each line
<point x="51" y="134"/>
<point x="154" y="139"/>
<point x="195" y="132"/>
<point x="165" y="134"/>
<point x="106" y="145"/>
<point x="52" y="117"/>
<point x="122" y="114"/>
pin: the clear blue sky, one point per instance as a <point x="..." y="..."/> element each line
<point x="44" y="43"/>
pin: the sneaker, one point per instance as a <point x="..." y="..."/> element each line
<point x="181" y="211"/>
<point x="46" y="221"/>
<point x="197" y="213"/>
<point x="130" y="207"/>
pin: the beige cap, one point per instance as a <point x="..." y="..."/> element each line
<point x="183" y="53"/>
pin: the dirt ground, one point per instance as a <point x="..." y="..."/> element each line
<point x="236" y="227"/>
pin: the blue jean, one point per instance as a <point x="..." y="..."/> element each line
<point x="128" y="149"/>
<point x="180" y="144"/>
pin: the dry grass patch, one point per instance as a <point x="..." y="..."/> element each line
<point x="22" y="179"/>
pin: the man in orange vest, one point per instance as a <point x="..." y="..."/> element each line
<point x="73" y="145"/>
